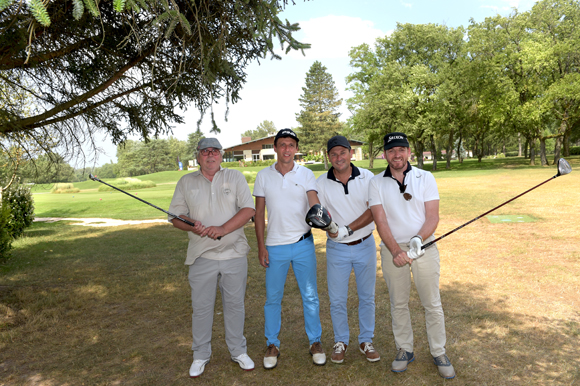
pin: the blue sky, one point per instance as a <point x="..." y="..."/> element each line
<point x="332" y="27"/>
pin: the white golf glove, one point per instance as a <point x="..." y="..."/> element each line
<point x="415" y="245"/>
<point x="332" y="227"/>
<point x="342" y="233"/>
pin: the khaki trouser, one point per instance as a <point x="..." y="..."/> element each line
<point x="426" y="272"/>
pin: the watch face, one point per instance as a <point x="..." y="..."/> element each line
<point x="350" y="231"/>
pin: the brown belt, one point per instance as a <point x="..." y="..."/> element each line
<point x="359" y="240"/>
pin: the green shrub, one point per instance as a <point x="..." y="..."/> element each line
<point x="250" y="177"/>
<point x="64" y="188"/>
<point x="5" y="234"/>
<point x="127" y="184"/>
<point x="511" y="153"/>
<point x="574" y="150"/>
<point x="19" y="199"/>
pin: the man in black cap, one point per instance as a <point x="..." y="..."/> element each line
<point x="288" y="190"/>
<point x="405" y="205"/>
<point x="344" y="191"/>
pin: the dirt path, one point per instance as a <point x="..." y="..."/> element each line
<point x="98" y="222"/>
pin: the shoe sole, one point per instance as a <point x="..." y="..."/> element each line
<point x="405" y="369"/>
<point x="333" y="361"/>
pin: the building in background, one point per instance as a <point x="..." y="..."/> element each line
<point x="262" y="149"/>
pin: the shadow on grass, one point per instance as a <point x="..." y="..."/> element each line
<point x="111" y="306"/>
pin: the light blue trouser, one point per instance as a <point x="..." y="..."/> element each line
<point x="303" y="259"/>
<point x="341" y="259"/>
<point x="204" y="276"/>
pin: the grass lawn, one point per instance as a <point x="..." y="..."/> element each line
<point x="110" y="306"/>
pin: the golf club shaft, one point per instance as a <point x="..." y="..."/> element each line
<point x="481" y="215"/>
<point x="148" y="203"/>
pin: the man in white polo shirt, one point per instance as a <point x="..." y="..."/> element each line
<point x="219" y="203"/>
<point x="287" y="190"/>
<point x="405" y="204"/>
<point x="343" y="190"/>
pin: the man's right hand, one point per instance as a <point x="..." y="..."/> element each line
<point x="263" y="256"/>
<point x="401" y="258"/>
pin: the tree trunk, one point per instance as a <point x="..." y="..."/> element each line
<point x="433" y="153"/>
<point x="371" y="155"/>
<point x="325" y="159"/>
<point x="526" y="148"/>
<point x="543" y="157"/>
<point x="449" y="150"/>
<point x="559" y="141"/>
<point x="479" y="148"/>
<point x="503" y="147"/>
<point x="459" y="155"/>
<point x="566" y="141"/>
<point x="419" y="152"/>
<point x="532" y="152"/>
<point x="519" y="145"/>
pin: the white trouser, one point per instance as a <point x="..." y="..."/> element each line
<point x="426" y="272"/>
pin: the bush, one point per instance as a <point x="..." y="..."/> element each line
<point x="128" y="184"/>
<point x="250" y="177"/>
<point x="511" y="153"/>
<point x="5" y="235"/>
<point x="64" y="188"/>
<point x="19" y="199"/>
<point x="574" y="150"/>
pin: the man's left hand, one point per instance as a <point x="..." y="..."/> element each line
<point x="214" y="232"/>
<point x="415" y="245"/>
<point x="341" y="234"/>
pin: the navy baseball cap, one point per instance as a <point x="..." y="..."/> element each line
<point x="286" y="133"/>
<point x="395" y="139"/>
<point x="337" y="140"/>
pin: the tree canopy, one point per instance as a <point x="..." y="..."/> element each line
<point x="125" y="67"/>
<point x="264" y="129"/>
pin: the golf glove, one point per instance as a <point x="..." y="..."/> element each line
<point x="415" y="245"/>
<point x="342" y="233"/>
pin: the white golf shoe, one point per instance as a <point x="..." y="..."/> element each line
<point x="197" y="367"/>
<point x="245" y="362"/>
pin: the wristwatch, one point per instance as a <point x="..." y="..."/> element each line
<point x="350" y="231"/>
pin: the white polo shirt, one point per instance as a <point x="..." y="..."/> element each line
<point x="347" y="202"/>
<point x="213" y="203"/>
<point x="405" y="218"/>
<point x="286" y="202"/>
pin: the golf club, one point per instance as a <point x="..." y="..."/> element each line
<point x="563" y="169"/>
<point x="148" y="203"/>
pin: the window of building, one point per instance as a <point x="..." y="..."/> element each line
<point x="270" y="146"/>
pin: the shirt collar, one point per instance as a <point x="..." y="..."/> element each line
<point x="389" y="174"/>
<point x="355" y="173"/>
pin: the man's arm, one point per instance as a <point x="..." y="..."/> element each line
<point x="237" y="221"/>
<point x="400" y="257"/>
<point x="431" y="219"/>
<point x="198" y="229"/>
<point x="260" y="225"/>
<point x="362" y="221"/>
<point x="312" y="198"/>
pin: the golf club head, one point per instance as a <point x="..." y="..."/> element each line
<point x="92" y="177"/>
<point x="563" y="167"/>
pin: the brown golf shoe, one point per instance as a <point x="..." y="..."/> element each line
<point x="338" y="352"/>
<point x="370" y="352"/>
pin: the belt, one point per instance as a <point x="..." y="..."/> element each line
<point x="359" y="240"/>
<point x="305" y="235"/>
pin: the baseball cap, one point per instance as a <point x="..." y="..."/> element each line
<point x="395" y="139"/>
<point x="337" y="140"/>
<point x="204" y="143"/>
<point x="286" y="133"/>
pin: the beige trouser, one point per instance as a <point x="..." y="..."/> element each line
<point x="425" y="271"/>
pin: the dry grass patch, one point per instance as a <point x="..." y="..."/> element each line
<point x="110" y="306"/>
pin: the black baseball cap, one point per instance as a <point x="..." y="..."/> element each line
<point x="286" y="133"/>
<point x="395" y="139"/>
<point x="337" y="140"/>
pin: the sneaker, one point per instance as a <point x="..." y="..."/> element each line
<point x="318" y="356"/>
<point x="444" y="366"/>
<point x="245" y="362"/>
<point x="402" y="360"/>
<point x="370" y="352"/>
<point x="271" y="357"/>
<point x="339" y="350"/>
<point x="197" y="367"/>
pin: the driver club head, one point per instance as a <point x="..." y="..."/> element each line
<point x="563" y="167"/>
<point x="92" y="177"/>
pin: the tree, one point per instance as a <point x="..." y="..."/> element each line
<point x="124" y="67"/>
<point x="192" y="141"/>
<point x="264" y="129"/>
<point x="319" y="115"/>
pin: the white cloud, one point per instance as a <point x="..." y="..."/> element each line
<point x="331" y="37"/>
<point x="408" y="5"/>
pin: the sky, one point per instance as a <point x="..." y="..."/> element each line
<point x="332" y="27"/>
